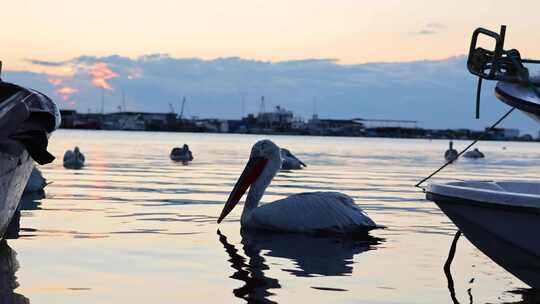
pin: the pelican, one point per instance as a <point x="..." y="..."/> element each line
<point x="474" y="154"/>
<point x="36" y="182"/>
<point x="73" y="159"/>
<point x="183" y="154"/>
<point x="317" y="212"/>
<point x="451" y="154"/>
<point x="289" y="161"/>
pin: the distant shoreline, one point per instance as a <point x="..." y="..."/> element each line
<point x="315" y="135"/>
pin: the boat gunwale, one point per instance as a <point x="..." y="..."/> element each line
<point x="456" y="200"/>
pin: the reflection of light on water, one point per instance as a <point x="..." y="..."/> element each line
<point x="133" y="227"/>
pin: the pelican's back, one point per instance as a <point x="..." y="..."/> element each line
<point x="68" y="155"/>
<point x="326" y="212"/>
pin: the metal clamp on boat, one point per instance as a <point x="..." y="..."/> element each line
<point x="27" y="118"/>
<point x="500" y="218"/>
<point x="515" y="87"/>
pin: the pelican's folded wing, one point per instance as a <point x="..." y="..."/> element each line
<point x="332" y="212"/>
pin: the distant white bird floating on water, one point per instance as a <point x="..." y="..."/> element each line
<point x="289" y="161"/>
<point x="474" y="154"/>
<point x="451" y="154"/>
<point x="183" y="154"/>
<point x="73" y="159"/>
<point x="317" y="212"/>
<point x="36" y="182"/>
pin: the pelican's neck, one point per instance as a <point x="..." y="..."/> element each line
<point x="256" y="191"/>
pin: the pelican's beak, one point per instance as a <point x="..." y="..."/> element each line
<point x="252" y="171"/>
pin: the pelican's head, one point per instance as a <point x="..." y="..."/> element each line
<point x="265" y="149"/>
<point x="264" y="162"/>
<point x="288" y="153"/>
<point x="76" y="150"/>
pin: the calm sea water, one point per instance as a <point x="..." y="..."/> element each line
<point x="134" y="227"/>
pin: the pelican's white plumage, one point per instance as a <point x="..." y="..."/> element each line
<point x="289" y="161"/>
<point x="74" y="159"/>
<point x="331" y="212"/>
<point x="451" y="154"/>
<point x="324" y="212"/>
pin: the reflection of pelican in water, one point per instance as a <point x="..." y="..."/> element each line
<point x="251" y="272"/>
<point x="323" y="256"/>
<point x="8" y="280"/>
<point x="315" y="212"/>
<point x="313" y="255"/>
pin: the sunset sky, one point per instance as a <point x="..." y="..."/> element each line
<point x="350" y="53"/>
<point x="352" y="31"/>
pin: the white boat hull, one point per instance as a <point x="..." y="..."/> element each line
<point x="15" y="168"/>
<point x="505" y="232"/>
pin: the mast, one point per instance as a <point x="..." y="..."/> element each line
<point x="243" y="104"/>
<point x="262" y="109"/>
<point x="182" y="109"/>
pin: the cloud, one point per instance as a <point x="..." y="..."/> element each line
<point x="55" y="81"/>
<point x="66" y="92"/>
<point x="46" y="63"/>
<point x="101" y="73"/>
<point x="435" y="25"/>
<point x="426" y="32"/>
<point x="431" y="28"/>
<point x="438" y="92"/>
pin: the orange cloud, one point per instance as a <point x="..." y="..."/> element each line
<point x="66" y="92"/>
<point x="55" y="81"/>
<point x="101" y="73"/>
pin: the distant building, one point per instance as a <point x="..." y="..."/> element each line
<point x="298" y="124"/>
<point x="502" y="133"/>
<point x="68" y="118"/>
<point x="335" y="126"/>
<point x="140" y="121"/>
<point x="511" y="133"/>
<point x="527" y="137"/>
<point x="73" y="120"/>
<point x="279" y="118"/>
<point x="213" y="125"/>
